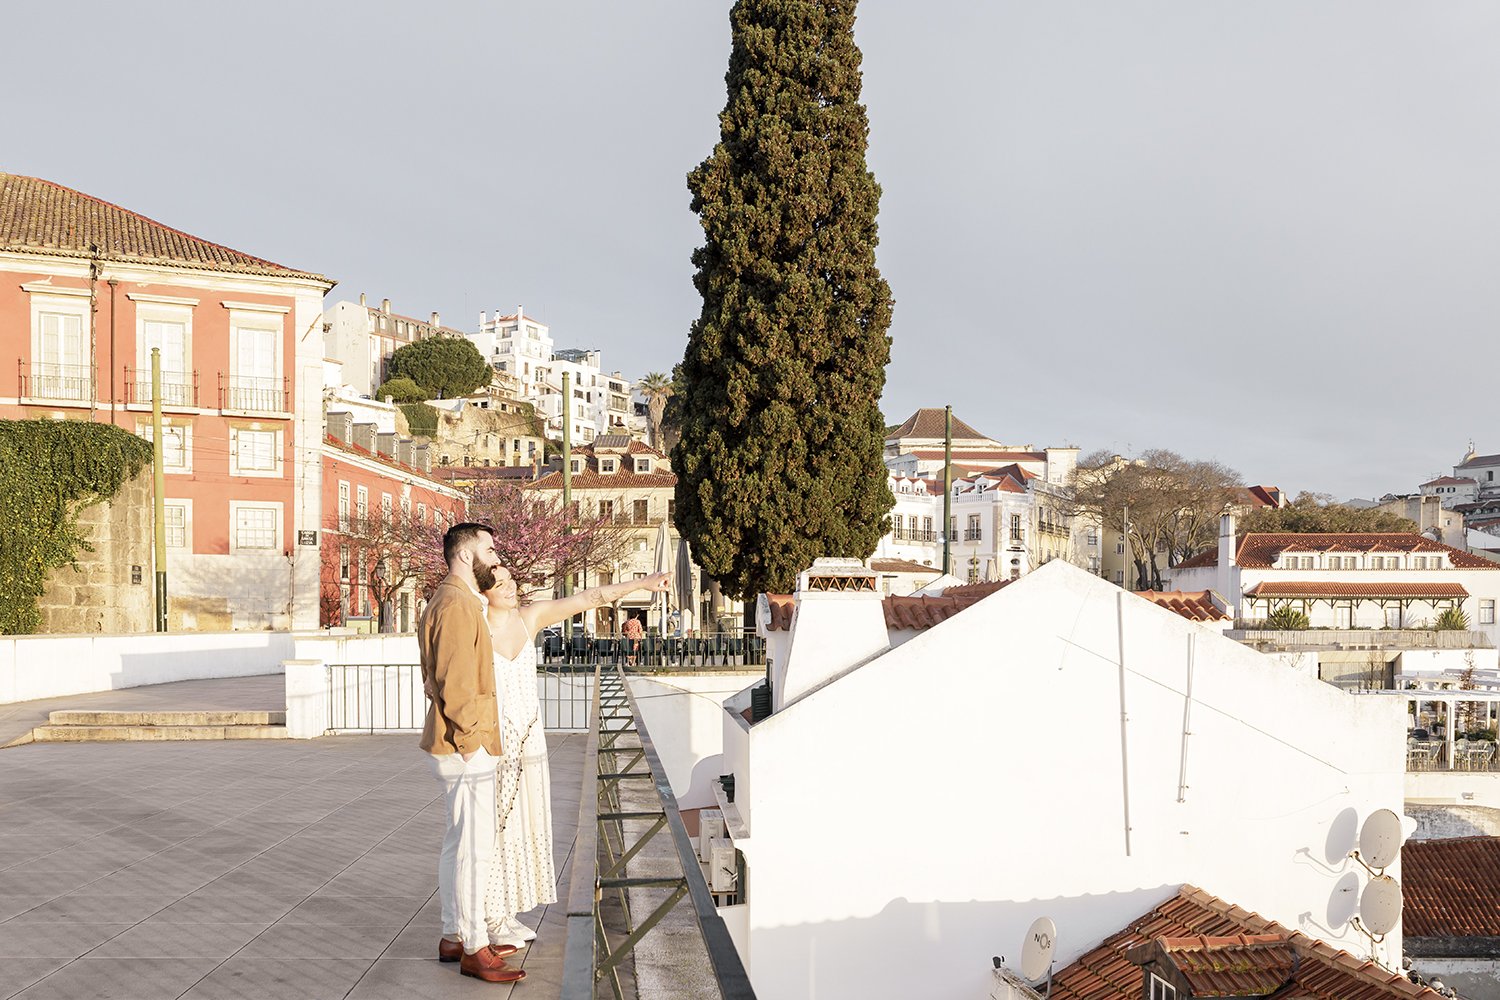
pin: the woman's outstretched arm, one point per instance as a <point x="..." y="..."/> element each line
<point x="540" y="614"/>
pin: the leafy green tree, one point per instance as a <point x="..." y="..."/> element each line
<point x="401" y="390"/>
<point x="444" y="367"/>
<point x="1316" y="512"/>
<point x="780" y="456"/>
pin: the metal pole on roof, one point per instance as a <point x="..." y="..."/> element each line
<point x="567" y="477"/>
<point x="947" y="489"/>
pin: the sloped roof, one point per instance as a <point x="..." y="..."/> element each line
<point x="931" y="423"/>
<point x="1196" y="605"/>
<point x="623" y="478"/>
<point x="39" y="216"/>
<point x="1333" y="588"/>
<point x="1239" y="965"/>
<point x="1480" y="460"/>
<point x="1451" y="888"/>
<point x="1259" y="550"/>
<point x="1324" y="972"/>
<point x="1262" y="496"/>
<point x="901" y="566"/>
<point x="977" y="459"/>
<point x="917" y="613"/>
<point x="1450" y="481"/>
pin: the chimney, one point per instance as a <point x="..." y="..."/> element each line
<point x="421" y="458"/>
<point x="361" y="298"/>
<point x="385" y="443"/>
<point x="435" y="321"/>
<point x="339" y="424"/>
<point x="363" y="436"/>
<point x="1228" y="574"/>
<point x="403" y="450"/>
<point x="385" y="306"/>
<point x="519" y="314"/>
<point x="838" y="622"/>
<point x="483" y="318"/>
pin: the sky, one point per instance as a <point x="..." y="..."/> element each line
<point x="1264" y="233"/>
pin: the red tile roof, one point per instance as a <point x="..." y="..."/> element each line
<point x="1239" y="965"/>
<point x="624" y="478"/>
<point x="901" y="566"/>
<point x="916" y="613"/>
<point x="1324" y="972"/>
<point x="39" y="216"/>
<point x="1196" y="605"/>
<point x="931" y="423"/>
<point x="1327" y="588"/>
<point x="988" y="458"/>
<point x="1451" y="888"/>
<point x="335" y="444"/>
<point x="1259" y="550"/>
<point x="1262" y="496"/>
<point x="1450" y="481"/>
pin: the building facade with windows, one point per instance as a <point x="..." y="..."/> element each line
<point x="362" y="338"/>
<point x="381" y="505"/>
<point x="87" y="290"/>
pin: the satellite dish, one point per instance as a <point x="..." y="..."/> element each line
<point x="1380" y="904"/>
<point x="1036" y="950"/>
<point x="1380" y="838"/>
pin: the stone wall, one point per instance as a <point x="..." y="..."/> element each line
<point x="101" y="594"/>
<point x="1442" y="822"/>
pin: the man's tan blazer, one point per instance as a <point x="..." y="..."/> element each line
<point x="458" y="673"/>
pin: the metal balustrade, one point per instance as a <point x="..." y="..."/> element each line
<point x="177" y="388"/>
<point x="388" y="697"/>
<point x="707" y="651"/>
<point x="65" y="383"/>
<point x="256" y="393"/>
<point x="620" y="750"/>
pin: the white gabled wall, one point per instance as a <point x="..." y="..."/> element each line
<point x="915" y="815"/>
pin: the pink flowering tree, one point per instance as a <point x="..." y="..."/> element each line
<point x="537" y="538"/>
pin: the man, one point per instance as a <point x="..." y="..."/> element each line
<point x="462" y="735"/>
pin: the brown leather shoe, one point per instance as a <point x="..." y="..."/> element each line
<point x="452" y="951"/>
<point x="488" y="963"/>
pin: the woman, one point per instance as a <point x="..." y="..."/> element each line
<point x="521" y="872"/>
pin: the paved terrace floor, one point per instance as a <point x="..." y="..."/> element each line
<point x="260" y="869"/>
<point x="249" y="694"/>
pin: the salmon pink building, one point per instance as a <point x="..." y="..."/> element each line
<point x="87" y="289"/>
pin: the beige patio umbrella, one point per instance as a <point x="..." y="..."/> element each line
<point x="663" y="564"/>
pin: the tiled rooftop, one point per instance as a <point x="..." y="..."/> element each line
<point x="1259" y="550"/>
<point x="1196" y="605"/>
<point x="1323" y="972"/>
<point x="1480" y="460"/>
<point x="1239" y="965"/>
<point x="1332" y="588"/>
<point x="1451" y="888"/>
<point x="931" y="423"/>
<point x="39" y="216"/>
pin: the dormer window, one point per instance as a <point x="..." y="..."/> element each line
<point x="642" y="463"/>
<point x="607" y="465"/>
<point x="577" y="466"/>
<point x="1160" y="989"/>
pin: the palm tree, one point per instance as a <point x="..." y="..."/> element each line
<point x="656" y="387"/>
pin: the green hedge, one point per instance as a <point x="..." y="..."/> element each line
<point x="50" y="470"/>
<point x="421" y="419"/>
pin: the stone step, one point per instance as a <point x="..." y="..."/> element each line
<point x="218" y="718"/>
<point x="106" y="734"/>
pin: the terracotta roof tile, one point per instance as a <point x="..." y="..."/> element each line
<point x="1261" y="496"/>
<point x="1196" y="605"/>
<point x="1328" y="588"/>
<point x="39" y="216"/>
<point x="987" y="459"/>
<point x="1258" y="550"/>
<point x="623" y="478"/>
<point x="1451" y="888"/>
<point x="1450" y="481"/>
<point x="932" y="423"/>
<point x="1324" y="972"/>
<point x="916" y="613"/>
<point x="1236" y="965"/>
<point x="900" y="566"/>
<point x="782" y="606"/>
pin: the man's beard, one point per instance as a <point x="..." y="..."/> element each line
<point x="484" y="576"/>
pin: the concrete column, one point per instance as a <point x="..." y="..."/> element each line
<point x="306" y="698"/>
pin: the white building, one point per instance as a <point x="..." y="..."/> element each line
<point x="1346" y="581"/>
<point x="1451" y="489"/>
<point x="517" y="344"/>
<point x="1483" y="470"/>
<point x="1059" y="748"/>
<point x="362" y="338"/>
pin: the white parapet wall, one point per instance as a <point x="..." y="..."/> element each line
<point x="55" y="666"/>
<point x="684" y="713"/>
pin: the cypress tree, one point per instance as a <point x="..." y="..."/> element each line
<point x="780" y="456"/>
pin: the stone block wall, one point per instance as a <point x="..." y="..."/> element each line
<point x="101" y="594"/>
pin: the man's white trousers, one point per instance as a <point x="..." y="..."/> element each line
<point x="468" y="843"/>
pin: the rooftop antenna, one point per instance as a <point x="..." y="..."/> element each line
<point x="1036" y="962"/>
<point x="1380" y="840"/>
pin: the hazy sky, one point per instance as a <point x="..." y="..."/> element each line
<point x="1263" y="232"/>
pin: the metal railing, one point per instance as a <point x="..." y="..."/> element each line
<point x="44" y="380"/>
<point x="972" y="534"/>
<point x="620" y="750"/>
<point x="177" y="388"/>
<point x="1467" y="755"/>
<point x="250" y="392"/>
<point x="389" y="698"/>
<point x="655" y="652"/>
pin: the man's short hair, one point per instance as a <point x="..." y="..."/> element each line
<point x="460" y="535"/>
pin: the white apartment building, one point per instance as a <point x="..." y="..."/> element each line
<point x="1483" y="469"/>
<point x="361" y="338"/>
<point x="517" y="344"/>
<point x="1451" y="489"/>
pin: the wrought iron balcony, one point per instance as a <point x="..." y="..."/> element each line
<point x="972" y="534"/>
<point x="44" y="380"/>
<point x="177" y="388"/>
<point x="250" y="392"/>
